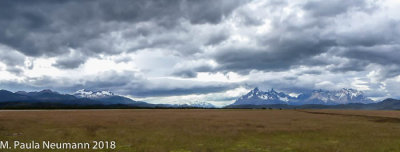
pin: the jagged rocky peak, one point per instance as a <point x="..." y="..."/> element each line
<point x="257" y="97"/>
<point x="351" y="92"/>
<point x="255" y="90"/>
<point x="343" y="96"/>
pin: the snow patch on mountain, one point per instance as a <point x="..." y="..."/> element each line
<point x="196" y="104"/>
<point x="92" y="94"/>
<point x="342" y="96"/>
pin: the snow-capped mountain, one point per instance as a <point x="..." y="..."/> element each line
<point x="258" y="97"/>
<point x="92" y="94"/>
<point x="343" y="96"/>
<point x="196" y="104"/>
<point x="105" y="97"/>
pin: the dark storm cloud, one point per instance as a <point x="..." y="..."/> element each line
<point x="382" y="32"/>
<point x="295" y="41"/>
<point x="11" y="58"/>
<point x="217" y="38"/>
<point x="313" y="72"/>
<point x="51" y="27"/>
<point x="209" y="11"/>
<point x="191" y="72"/>
<point x="69" y="63"/>
<point x="306" y="39"/>
<point x="292" y="42"/>
<point x="386" y="56"/>
<point x="277" y="56"/>
<point x="380" y="54"/>
<point x="352" y="65"/>
<point x="185" y="73"/>
<point x="322" y="8"/>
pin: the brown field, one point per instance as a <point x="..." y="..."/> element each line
<point x="211" y="130"/>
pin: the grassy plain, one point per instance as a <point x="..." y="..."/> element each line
<point x="195" y="130"/>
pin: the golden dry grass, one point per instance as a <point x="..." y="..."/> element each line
<point x="211" y="130"/>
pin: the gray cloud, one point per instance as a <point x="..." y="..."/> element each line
<point x="381" y="54"/>
<point x="14" y="60"/>
<point x="191" y="71"/>
<point x="185" y="73"/>
<point x="72" y="61"/>
<point x="11" y="57"/>
<point x="15" y="70"/>
<point x="50" y="28"/>
<point x="69" y="63"/>
<point x="217" y="38"/>
<point x="321" y="8"/>
<point x="295" y="41"/>
<point x="349" y="65"/>
<point x="277" y="56"/>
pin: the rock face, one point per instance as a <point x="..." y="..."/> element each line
<point x="343" y="96"/>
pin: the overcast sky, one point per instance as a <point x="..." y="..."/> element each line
<point x="209" y="50"/>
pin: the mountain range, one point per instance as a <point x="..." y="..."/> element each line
<point x="324" y="97"/>
<point x="82" y="98"/>
<point x="106" y="97"/>
<point x="316" y="99"/>
<point x="387" y="104"/>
